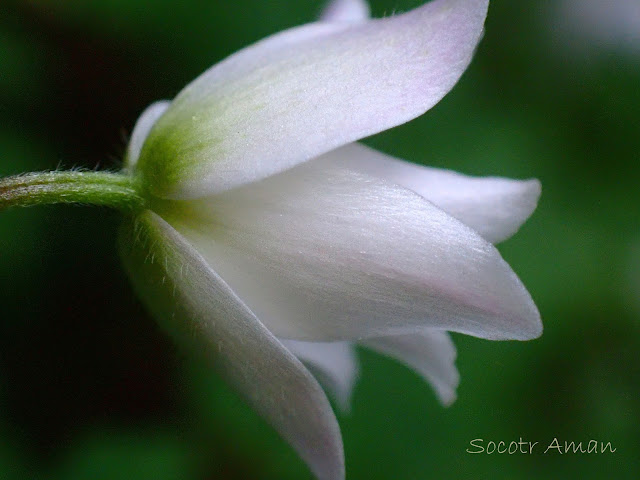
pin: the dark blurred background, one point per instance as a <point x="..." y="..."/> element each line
<point x="91" y="388"/>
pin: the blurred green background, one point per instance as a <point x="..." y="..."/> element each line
<point x="91" y="388"/>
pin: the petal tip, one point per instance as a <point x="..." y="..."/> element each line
<point x="531" y="326"/>
<point x="448" y="398"/>
<point x="348" y="11"/>
<point x="447" y="393"/>
<point x="533" y="188"/>
<point x="141" y="129"/>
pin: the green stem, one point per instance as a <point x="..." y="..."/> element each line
<point x="114" y="190"/>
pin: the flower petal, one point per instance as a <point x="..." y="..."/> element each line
<point x="494" y="207"/>
<point x="352" y="11"/>
<point x="283" y="101"/>
<point x="190" y="300"/>
<point x="322" y="253"/>
<point x="430" y="353"/>
<point x="335" y="365"/>
<point x="141" y="129"/>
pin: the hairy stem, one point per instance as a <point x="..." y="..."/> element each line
<point x="114" y="190"/>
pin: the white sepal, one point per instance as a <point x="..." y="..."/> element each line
<point x="304" y="92"/>
<point x="334" y="364"/>
<point x="141" y="129"/>
<point x="430" y="353"/>
<point x="494" y="207"/>
<point x="193" y="303"/>
<point x="322" y="253"/>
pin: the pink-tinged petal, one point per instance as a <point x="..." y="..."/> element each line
<point x="141" y="129"/>
<point x="192" y="302"/>
<point x="334" y="364"/>
<point x="494" y="207"/>
<point x="352" y="11"/>
<point x="430" y="353"/>
<point x="304" y="92"/>
<point x="322" y="253"/>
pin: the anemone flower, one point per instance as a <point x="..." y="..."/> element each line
<point x="259" y="234"/>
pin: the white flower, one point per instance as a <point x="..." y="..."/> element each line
<point x="272" y="237"/>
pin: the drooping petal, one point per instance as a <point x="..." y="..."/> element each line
<point x="307" y="91"/>
<point x="335" y="365"/>
<point x="352" y="11"/>
<point x="494" y="207"/>
<point x="322" y="253"/>
<point x="430" y="353"/>
<point x="191" y="301"/>
<point x="141" y="129"/>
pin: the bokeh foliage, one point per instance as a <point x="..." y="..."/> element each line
<point x="89" y="386"/>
